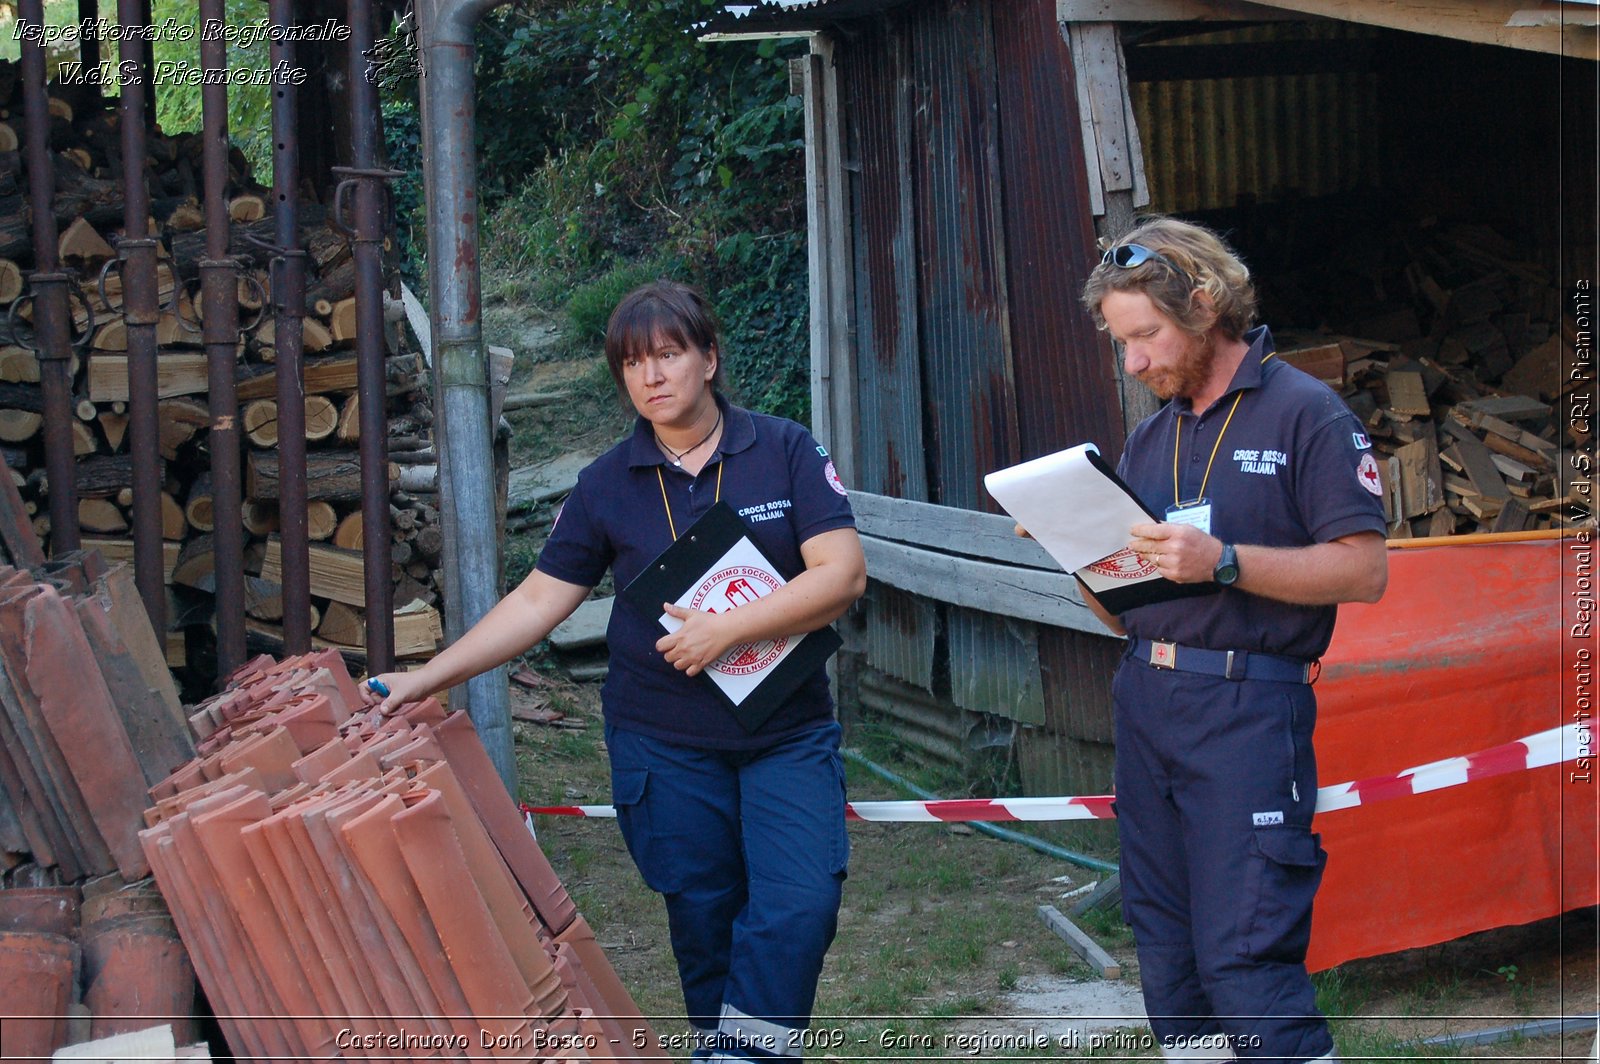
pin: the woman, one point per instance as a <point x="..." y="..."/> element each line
<point x="742" y="833"/>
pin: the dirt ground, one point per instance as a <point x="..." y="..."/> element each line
<point x="941" y="954"/>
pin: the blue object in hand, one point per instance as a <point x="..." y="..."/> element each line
<point x="378" y="687"/>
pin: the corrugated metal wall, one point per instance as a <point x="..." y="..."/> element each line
<point x="1210" y="140"/>
<point x="971" y="238"/>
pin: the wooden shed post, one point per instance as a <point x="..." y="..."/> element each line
<point x="1114" y="157"/>
<point x="833" y="419"/>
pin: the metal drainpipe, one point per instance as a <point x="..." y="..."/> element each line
<point x="219" y="293"/>
<point x="289" y="308"/>
<point x="141" y="310"/>
<point x="460" y="365"/>
<point x="52" y="316"/>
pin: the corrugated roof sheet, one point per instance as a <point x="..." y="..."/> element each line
<point x="791" y="14"/>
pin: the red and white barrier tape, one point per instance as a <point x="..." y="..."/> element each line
<point x="1555" y="746"/>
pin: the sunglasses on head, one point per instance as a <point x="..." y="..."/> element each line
<point x="1128" y="256"/>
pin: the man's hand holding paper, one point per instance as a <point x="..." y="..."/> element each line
<point x="1078" y="509"/>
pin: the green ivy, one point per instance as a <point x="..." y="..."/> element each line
<point x="615" y="144"/>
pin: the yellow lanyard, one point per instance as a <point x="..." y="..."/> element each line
<point x="1177" y="445"/>
<point x="667" y="506"/>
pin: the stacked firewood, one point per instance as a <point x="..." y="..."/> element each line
<point x="1460" y="387"/>
<point x="88" y="205"/>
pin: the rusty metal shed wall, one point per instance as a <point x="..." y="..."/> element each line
<point x="971" y="236"/>
<point x="888" y="390"/>
<point x="900" y="633"/>
<point x="961" y="298"/>
<point x="1064" y="368"/>
<point x="1210" y="140"/>
<point x="994" y="665"/>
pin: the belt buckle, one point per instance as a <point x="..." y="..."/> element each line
<point x="1163" y="655"/>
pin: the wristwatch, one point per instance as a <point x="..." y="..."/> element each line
<point x="1227" y="571"/>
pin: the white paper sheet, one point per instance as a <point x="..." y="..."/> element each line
<point x="740" y="576"/>
<point x="1075" y="512"/>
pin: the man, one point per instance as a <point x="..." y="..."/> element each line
<point x="1270" y="492"/>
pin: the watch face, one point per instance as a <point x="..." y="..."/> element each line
<point x="1227" y="570"/>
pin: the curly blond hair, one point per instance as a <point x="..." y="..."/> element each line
<point x="1197" y="260"/>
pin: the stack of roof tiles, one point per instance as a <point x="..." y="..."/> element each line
<point x="89" y="718"/>
<point x="350" y="884"/>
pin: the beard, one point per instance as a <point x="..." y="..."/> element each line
<point x="1188" y="375"/>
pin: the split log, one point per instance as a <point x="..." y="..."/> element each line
<point x="259" y="419"/>
<point x="19" y="425"/>
<point x="180" y="419"/>
<point x="348" y="533"/>
<point x="335" y="574"/>
<point x="198" y="509"/>
<point x="322" y="417"/>
<point x="10" y="280"/>
<point x="177" y="373"/>
<point x="260" y="518"/>
<point x="321" y="520"/>
<point x="84" y="441"/>
<point x="115" y="427"/>
<point x="196" y="564"/>
<point x="173" y="522"/>
<point x="100" y="515"/>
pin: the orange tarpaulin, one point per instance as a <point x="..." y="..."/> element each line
<point x="1471" y="647"/>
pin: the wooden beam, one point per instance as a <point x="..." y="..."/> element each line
<point x="1084" y="946"/>
<point x="1475" y="21"/>
<point x="1026" y="594"/>
<point x="1164" y="11"/>
<point x="991" y="537"/>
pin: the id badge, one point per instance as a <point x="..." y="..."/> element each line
<point x="1197" y="513"/>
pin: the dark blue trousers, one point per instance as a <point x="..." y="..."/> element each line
<point x="1216" y="783"/>
<point x="748" y="849"/>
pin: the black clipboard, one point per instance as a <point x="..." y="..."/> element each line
<point x="687" y="564"/>
<point x="1122" y="581"/>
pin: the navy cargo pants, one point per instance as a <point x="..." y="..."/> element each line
<point x="748" y="849"/>
<point x="1215" y="787"/>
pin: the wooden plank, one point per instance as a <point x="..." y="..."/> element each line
<point x="1476" y="21"/>
<point x="1407" y="395"/>
<point x="991" y="537"/>
<point x="121" y="550"/>
<point x="1027" y="594"/>
<point x="1506" y="407"/>
<point x="335" y="574"/>
<point x="1421" y="480"/>
<point x="1164" y="11"/>
<point x="1477" y="462"/>
<point x="1513" y="517"/>
<point x="1080" y="943"/>
<point x="1106" y="893"/>
<point x="177" y="373"/>
<point x="1325" y="362"/>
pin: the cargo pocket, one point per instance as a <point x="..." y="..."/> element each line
<point x="629" y="794"/>
<point x="1284" y="870"/>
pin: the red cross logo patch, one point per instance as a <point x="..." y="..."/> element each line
<point x="1367" y="473"/>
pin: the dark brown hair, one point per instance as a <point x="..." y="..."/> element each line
<point x="661" y="310"/>
<point x="1211" y="265"/>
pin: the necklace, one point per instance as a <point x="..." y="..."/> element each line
<point x="678" y="456"/>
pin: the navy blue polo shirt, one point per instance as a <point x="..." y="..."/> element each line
<point x="777" y="478"/>
<point x="1294" y="468"/>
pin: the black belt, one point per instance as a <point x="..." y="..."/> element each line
<point x="1229" y="664"/>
